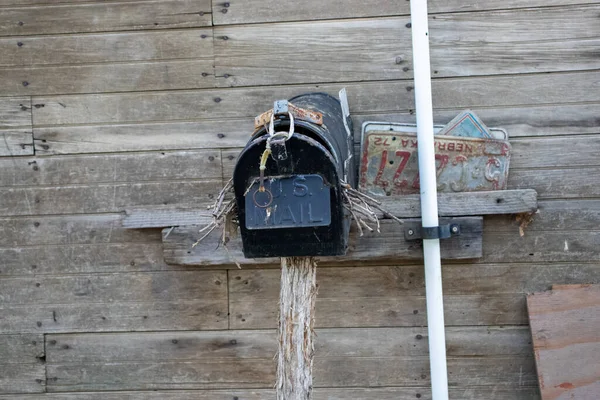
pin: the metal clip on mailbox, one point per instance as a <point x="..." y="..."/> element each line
<point x="287" y="180"/>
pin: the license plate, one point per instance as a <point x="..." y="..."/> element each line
<point x="389" y="164"/>
<point x="290" y="202"/>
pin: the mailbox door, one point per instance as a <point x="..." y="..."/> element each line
<point x="303" y="215"/>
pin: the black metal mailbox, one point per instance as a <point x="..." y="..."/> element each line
<point x="294" y="206"/>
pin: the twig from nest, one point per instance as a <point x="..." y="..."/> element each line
<point x="361" y="207"/>
<point x="221" y="215"/>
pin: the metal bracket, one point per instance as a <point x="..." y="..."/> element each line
<point x="280" y="107"/>
<point x="435" y="232"/>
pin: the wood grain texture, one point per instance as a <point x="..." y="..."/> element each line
<point x="553" y="215"/>
<point x="143" y="301"/>
<point x="244" y="55"/>
<point x="70" y="229"/>
<point x="107" y="48"/>
<point x="162" y="217"/>
<point x="462" y="44"/>
<point x="52" y="2"/>
<point x="104" y="17"/>
<point x="512" y="371"/>
<point x="15" y="112"/>
<point x="363" y="97"/>
<point x="22" y="378"/>
<point x="344" y="357"/>
<point x="252" y="11"/>
<point x="16" y="142"/>
<point x="552" y="152"/>
<point x="21" y="349"/>
<point x="391" y="393"/>
<point x="21" y="364"/>
<point x="146" y="136"/>
<point x="523" y="121"/>
<point x="82" y="258"/>
<point x="98" y="78"/>
<point x="372" y="246"/>
<point x="16" y="137"/>
<point x="110" y="168"/>
<point x="564" y="325"/>
<point x="560" y="183"/>
<point x="488" y="294"/>
<point x="541" y="246"/>
<point x="85" y="199"/>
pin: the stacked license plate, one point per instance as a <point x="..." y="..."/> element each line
<point x="469" y="157"/>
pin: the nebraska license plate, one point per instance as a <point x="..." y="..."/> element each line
<point x="389" y="164"/>
<point x="289" y="202"/>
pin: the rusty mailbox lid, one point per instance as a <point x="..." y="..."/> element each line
<point x="389" y="161"/>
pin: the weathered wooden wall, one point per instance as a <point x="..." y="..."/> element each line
<point x="110" y="105"/>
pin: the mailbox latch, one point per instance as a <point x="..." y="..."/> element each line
<point x="435" y="232"/>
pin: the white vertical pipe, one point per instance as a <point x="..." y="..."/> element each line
<point x="429" y="206"/>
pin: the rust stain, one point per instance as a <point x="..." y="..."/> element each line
<point x="566" y="385"/>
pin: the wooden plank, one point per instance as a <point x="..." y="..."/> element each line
<point x="104" y="17"/>
<point x="70" y="229"/>
<point x="363" y="97"/>
<point x="453" y="204"/>
<point x="450" y="204"/>
<point x="110" y="168"/>
<point x="98" y="78"/>
<point x="97" y="288"/>
<point x="511" y="371"/>
<point x="22" y="378"/>
<point x="85" y="199"/>
<point x="331" y="51"/>
<point x="360" y="342"/>
<point x="144" y="301"/>
<point x="390" y="393"/>
<point x="564" y="325"/>
<point x="354" y="296"/>
<point x="160" y="218"/>
<point x="541" y="246"/>
<point x="147" y="136"/>
<point x="372" y="246"/>
<point x="15" y="112"/>
<point x="506" y="42"/>
<point x="21" y="349"/>
<point x="16" y="142"/>
<point x="21" y="364"/>
<point x="252" y="11"/>
<point x="528" y="121"/>
<point x="16" y="138"/>
<point x="552" y="152"/>
<point x="50" y="2"/>
<point x="107" y="48"/>
<point x="82" y="258"/>
<point x="196" y="314"/>
<point x="245" y="358"/>
<point x="563" y="183"/>
<point x="553" y="215"/>
<point x="521" y="121"/>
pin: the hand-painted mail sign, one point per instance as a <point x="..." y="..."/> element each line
<point x="389" y="164"/>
